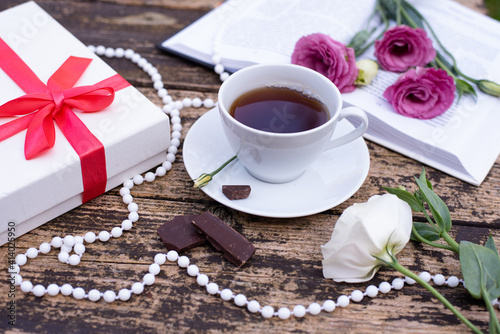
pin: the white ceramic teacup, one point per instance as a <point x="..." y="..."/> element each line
<point x="282" y="157"/>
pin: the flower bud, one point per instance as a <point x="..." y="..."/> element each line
<point x="368" y="70"/>
<point x="202" y="180"/>
<point x="489" y="87"/>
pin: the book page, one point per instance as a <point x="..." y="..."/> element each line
<point x="468" y="128"/>
<point x="276" y="26"/>
<point x="266" y="31"/>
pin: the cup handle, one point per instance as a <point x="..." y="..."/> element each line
<point x="354" y="134"/>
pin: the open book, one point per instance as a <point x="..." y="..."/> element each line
<point x="463" y="142"/>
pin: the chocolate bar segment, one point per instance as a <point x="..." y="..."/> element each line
<point x="236" y="248"/>
<point x="179" y="234"/>
<point x="236" y="191"/>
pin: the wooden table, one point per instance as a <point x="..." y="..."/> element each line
<point x="286" y="269"/>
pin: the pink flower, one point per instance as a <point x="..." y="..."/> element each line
<point x="403" y="47"/>
<point x="333" y="59"/>
<point x="422" y="93"/>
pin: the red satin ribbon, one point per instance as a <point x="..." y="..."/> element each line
<point x="44" y="103"/>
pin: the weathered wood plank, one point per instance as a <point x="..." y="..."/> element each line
<point x="286" y="269"/>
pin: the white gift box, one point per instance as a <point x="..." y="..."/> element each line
<point x="134" y="132"/>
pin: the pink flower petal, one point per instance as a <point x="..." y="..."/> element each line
<point x="333" y="59"/>
<point x="403" y="47"/>
<point x="422" y="93"/>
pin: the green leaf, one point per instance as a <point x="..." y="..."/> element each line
<point x="490" y="243"/>
<point x="426" y="231"/>
<point x="409" y="198"/>
<point x="467" y="87"/>
<point x="418" y="196"/>
<point x="389" y="9"/>
<point x="438" y="208"/>
<point x="463" y="87"/>
<point x="423" y="178"/>
<point x="480" y="269"/>
<point x="359" y="40"/>
<point x="493" y="7"/>
<point x="411" y="16"/>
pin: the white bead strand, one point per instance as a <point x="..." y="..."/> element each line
<point x="70" y="243"/>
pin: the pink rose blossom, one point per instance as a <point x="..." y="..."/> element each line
<point x="422" y="93"/>
<point x="333" y="59"/>
<point x="403" y="47"/>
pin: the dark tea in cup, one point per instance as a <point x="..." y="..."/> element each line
<point x="278" y="110"/>
<point x="297" y="109"/>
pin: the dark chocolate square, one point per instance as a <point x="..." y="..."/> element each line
<point x="236" y="248"/>
<point x="179" y="234"/>
<point x="234" y="192"/>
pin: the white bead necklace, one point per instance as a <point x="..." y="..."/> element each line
<point x="75" y="244"/>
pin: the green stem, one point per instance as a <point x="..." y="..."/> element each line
<point x="431" y="222"/>
<point x="455" y="247"/>
<point x="380" y="11"/>
<point x="222" y="166"/>
<point x="451" y="242"/>
<point x="430" y="243"/>
<point x="408" y="19"/>
<point x="443" y="66"/>
<point x="367" y="46"/>
<point x="494" y="324"/>
<point x="405" y="271"/>
<point x="398" y="12"/>
<point x="205" y="178"/>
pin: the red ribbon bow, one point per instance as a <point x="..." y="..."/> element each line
<point x="45" y="103"/>
<point x="42" y="108"/>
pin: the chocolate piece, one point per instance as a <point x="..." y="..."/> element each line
<point x="236" y="248"/>
<point x="236" y="191"/>
<point x="179" y="234"/>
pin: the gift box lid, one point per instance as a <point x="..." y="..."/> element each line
<point x="132" y="129"/>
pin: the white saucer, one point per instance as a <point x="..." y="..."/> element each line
<point x="329" y="181"/>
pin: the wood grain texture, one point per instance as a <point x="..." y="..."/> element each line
<point x="286" y="268"/>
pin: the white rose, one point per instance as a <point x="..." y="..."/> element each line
<point x="363" y="231"/>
